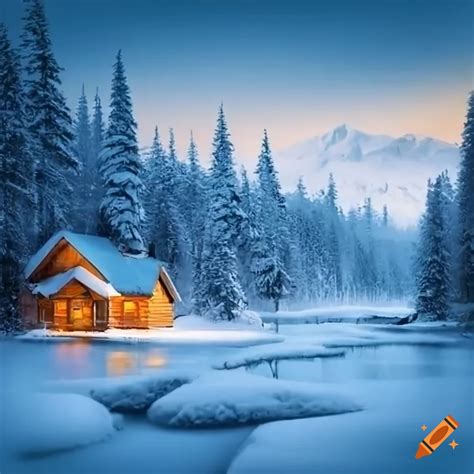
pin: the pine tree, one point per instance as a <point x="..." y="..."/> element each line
<point x="221" y="293"/>
<point x="97" y="133"/>
<point x="84" y="205"/>
<point x="466" y="205"/>
<point x="385" y="216"/>
<point x="17" y="188"/>
<point x="274" y="223"/>
<point x="121" y="211"/>
<point x="331" y="195"/>
<point x="433" y="272"/>
<point x="196" y="189"/>
<point x="50" y="125"/>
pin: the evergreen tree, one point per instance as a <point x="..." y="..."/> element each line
<point x="84" y="205"/>
<point x="50" y="125"/>
<point x="121" y="211"/>
<point x="466" y="206"/>
<point x="433" y="272"/>
<point x="196" y="218"/>
<point x="385" y="216"/>
<point x="273" y="216"/>
<point x="221" y="294"/>
<point x="97" y="133"/>
<point x="331" y="195"/>
<point x="17" y="188"/>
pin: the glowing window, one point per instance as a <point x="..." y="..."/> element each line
<point x="130" y="308"/>
<point x="60" y="307"/>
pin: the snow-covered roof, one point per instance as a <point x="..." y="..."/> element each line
<point x="53" y="285"/>
<point x="127" y="274"/>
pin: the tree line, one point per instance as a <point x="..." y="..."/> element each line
<point x="230" y="239"/>
<point x="445" y="256"/>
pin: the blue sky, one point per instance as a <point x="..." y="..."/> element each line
<point x="296" y="67"/>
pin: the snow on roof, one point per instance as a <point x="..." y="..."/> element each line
<point x="127" y="274"/>
<point x="53" y="285"/>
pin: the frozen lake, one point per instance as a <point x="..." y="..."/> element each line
<point x="402" y="387"/>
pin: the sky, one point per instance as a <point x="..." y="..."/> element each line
<point x="295" y="67"/>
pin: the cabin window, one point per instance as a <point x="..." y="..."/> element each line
<point x="46" y="314"/>
<point x="60" y="308"/>
<point x="100" y="308"/>
<point x="130" y="308"/>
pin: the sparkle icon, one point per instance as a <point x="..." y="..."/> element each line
<point x="424" y="427"/>
<point x="453" y="444"/>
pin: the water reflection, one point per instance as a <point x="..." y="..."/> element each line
<point x="73" y="357"/>
<point x="126" y="363"/>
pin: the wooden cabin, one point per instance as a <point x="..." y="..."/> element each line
<point x="82" y="282"/>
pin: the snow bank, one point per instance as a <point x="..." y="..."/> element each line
<point x="45" y="422"/>
<point x="239" y="398"/>
<point x="138" y="393"/>
<point x="351" y="335"/>
<point x="279" y="351"/>
<point x="336" y="314"/>
<point x="219" y="334"/>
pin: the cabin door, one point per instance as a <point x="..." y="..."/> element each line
<point x="81" y="314"/>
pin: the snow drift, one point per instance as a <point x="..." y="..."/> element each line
<point x="233" y="399"/>
<point x="136" y="394"/>
<point x="43" y="423"/>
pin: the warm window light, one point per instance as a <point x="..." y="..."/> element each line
<point x="130" y="308"/>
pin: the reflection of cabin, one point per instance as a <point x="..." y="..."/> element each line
<point x="82" y="282"/>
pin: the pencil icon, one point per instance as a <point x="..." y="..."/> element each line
<point x="437" y="437"/>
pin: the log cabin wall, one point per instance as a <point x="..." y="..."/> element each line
<point x="62" y="258"/>
<point x="160" y="307"/>
<point x="142" y="312"/>
<point x="128" y="312"/>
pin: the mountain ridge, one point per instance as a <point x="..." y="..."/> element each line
<point x="390" y="170"/>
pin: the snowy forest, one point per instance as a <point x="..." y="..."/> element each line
<point x="230" y="237"/>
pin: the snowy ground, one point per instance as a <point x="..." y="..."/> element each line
<point x="402" y="376"/>
<point x="188" y="330"/>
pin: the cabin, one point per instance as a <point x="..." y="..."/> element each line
<point x="81" y="282"/>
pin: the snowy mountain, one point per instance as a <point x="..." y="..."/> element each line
<point x="391" y="171"/>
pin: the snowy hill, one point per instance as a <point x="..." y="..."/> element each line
<point x="392" y="171"/>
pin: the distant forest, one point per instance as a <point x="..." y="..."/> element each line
<point x="231" y="239"/>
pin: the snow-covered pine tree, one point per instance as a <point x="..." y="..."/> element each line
<point x="273" y="217"/>
<point x="221" y="295"/>
<point x="85" y="209"/>
<point x="385" y="216"/>
<point x="196" y="190"/>
<point x="17" y="185"/>
<point x="466" y="205"/>
<point x="97" y="132"/>
<point x="250" y="233"/>
<point x="433" y="263"/>
<point x="50" y="125"/>
<point x="121" y="211"/>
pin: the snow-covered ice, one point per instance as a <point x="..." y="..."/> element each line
<point x="349" y="313"/>
<point x="45" y="422"/>
<point x="273" y="352"/>
<point x="138" y="393"/>
<point x="218" y="399"/>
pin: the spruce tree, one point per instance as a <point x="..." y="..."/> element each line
<point x="84" y="205"/>
<point x="97" y="132"/>
<point x="466" y="206"/>
<point x="275" y="225"/>
<point x="50" y="125"/>
<point x="433" y="266"/>
<point x="196" y="217"/>
<point x="121" y="211"/>
<point x="221" y="293"/>
<point x="17" y="186"/>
